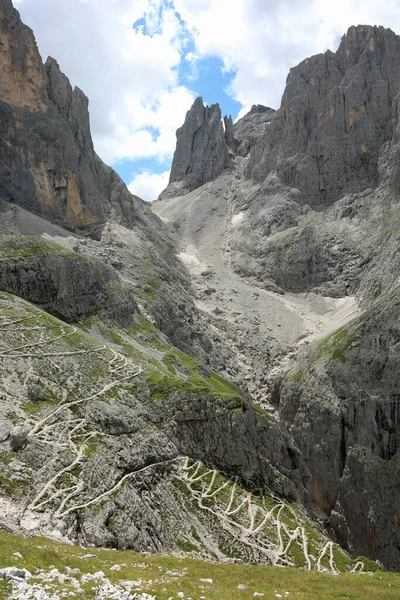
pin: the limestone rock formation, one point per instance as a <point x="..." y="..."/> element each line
<point x="112" y="435"/>
<point x="52" y="182"/>
<point x="47" y="161"/>
<point x="62" y="282"/>
<point x="102" y="456"/>
<point x="311" y="211"/>
<point x="202" y="149"/>
<point x="341" y="404"/>
<point x="251" y="127"/>
<point x="335" y="117"/>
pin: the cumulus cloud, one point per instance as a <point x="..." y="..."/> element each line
<point x="148" y="185"/>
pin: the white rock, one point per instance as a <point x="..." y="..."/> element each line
<point x="206" y="580"/>
<point x="115" y="568"/>
<point x="241" y="586"/>
<point x="12" y="572"/>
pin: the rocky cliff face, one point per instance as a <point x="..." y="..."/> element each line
<point x="335" y="117"/>
<point x="47" y="161"/>
<point x="144" y="446"/>
<point x="341" y="405"/>
<point x="68" y="285"/>
<point x="48" y="168"/>
<point x="202" y="151"/>
<point x="95" y="443"/>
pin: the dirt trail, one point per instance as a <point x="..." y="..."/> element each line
<point x="259" y="323"/>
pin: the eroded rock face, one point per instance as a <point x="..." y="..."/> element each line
<point x="201" y="149"/>
<point x="22" y="76"/>
<point x="251" y="127"/>
<point x="342" y="408"/>
<point x="315" y="207"/>
<point x="334" y="119"/>
<point x="131" y="485"/>
<point x="65" y="284"/>
<point x="47" y="161"/>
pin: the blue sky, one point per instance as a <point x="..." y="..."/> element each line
<point x="143" y="62"/>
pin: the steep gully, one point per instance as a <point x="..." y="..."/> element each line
<point x="263" y="327"/>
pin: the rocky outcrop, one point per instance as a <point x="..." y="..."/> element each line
<point x="48" y="168"/>
<point x="251" y="127"/>
<point x="335" y="118"/>
<point x="68" y="285"/>
<point x="319" y="187"/>
<point x="310" y="208"/>
<point x="22" y="76"/>
<point x="341" y="405"/>
<point x="201" y="149"/>
<point x="141" y="407"/>
<point x="47" y="161"/>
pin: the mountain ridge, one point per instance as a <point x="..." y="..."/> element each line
<point x="196" y="349"/>
<point x="303" y="221"/>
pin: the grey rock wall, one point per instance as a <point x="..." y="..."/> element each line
<point x="201" y="149"/>
<point x="68" y="285"/>
<point x="335" y="117"/>
<point x="342" y="407"/>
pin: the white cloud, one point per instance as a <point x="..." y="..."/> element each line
<point x="145" y="130"/>
<point x="148" y="185"/>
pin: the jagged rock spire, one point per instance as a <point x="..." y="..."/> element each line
<point x="201" y="150"/>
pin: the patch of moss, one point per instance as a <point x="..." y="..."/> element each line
<point x="195" y="535"/>
<point x="258" y="409"/>
<point x="147" y="262"/>
<point x="336" y="345"/>
<point x="297" y="376"/>
<point x="162" y="386"/>
<point x="186" y="546"/>
<point x="182" y="487"/>
<point x="25" y="246"/>
<point x="11" y="487"/>
<point x="6" y="457"/>
<point x="90" y="322"/>
<point x="148" y="333"/>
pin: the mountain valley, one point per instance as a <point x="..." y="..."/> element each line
<point x="214" y="375"/>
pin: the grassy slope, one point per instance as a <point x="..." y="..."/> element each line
<point x="42" y="553"/>
<point x="166" y="369"/>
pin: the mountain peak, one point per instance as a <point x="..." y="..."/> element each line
<point x="201" y="150"/>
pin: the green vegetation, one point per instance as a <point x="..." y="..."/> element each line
<point x="20" y="247"/>
<point x="174" y="371"/>
<point x="8" y="484"/>
<point x="296" y="377"/>
<point x="147" y="262"/>
<point x="258" y="409"/>
<point x="186" y="545"/>
<point x="336" y="345"/>
<point x="152" y="570"/>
